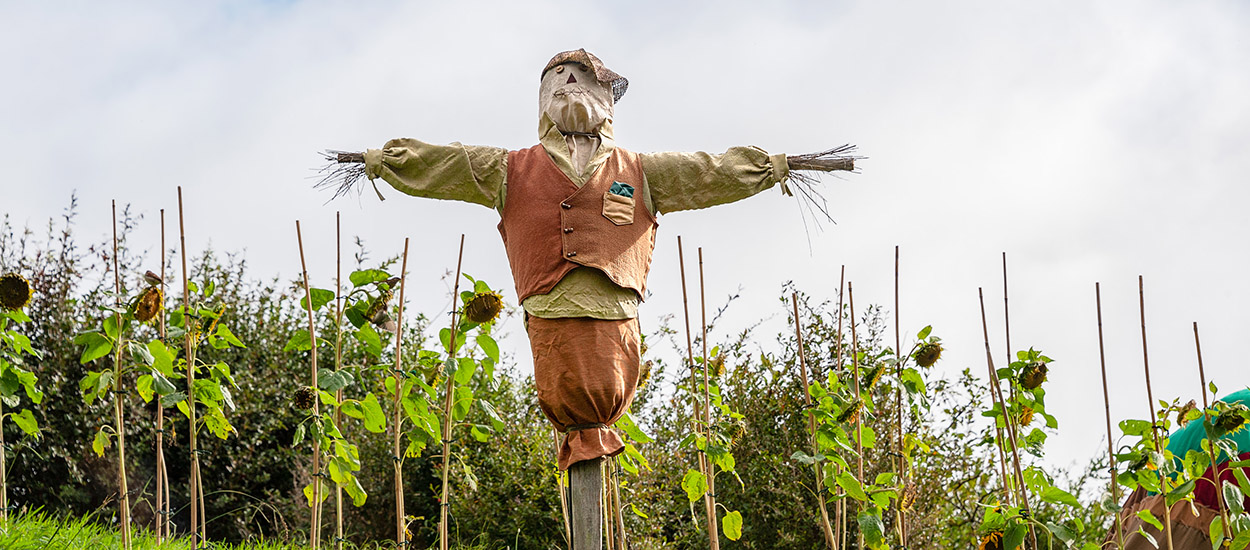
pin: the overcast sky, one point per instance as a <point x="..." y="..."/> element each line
<point x="1088" y="141"/>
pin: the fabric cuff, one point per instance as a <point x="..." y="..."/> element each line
<point x="781" y="170"/>
<point x="373" y="163"/>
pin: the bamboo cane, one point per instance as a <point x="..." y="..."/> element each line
<point x="1154" y="421"/>
<point x="618" y="508"/>
<point x="314" y="535"/>
<point x="901" y="518"/>
<point x="1007" y="341"/>
<point x="605" y="505"/>
<point x="996" y="392"/>
<point x="338" y="363"/>
<point x="1215" y="470"/>
<point x="825" y="528"/>
<point x="401" y="521"/>
<point x="709" y="507"/>
<point x="118" y="402"/>
<point x="712" y="532"/>
<point x="564" y="497"/>
<point x="840" y="508"/>
<point x="447" y="403"/>
<point x="162" y="475"/>
<point x="1106" y="400"/>
<point x="859" y="418"/>
<point x="197" y="530"/>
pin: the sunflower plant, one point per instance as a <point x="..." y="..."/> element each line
<point x="15" y="379"/>
<point x="715" y="439"/>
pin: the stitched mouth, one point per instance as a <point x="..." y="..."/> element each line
<point x="562" y="92"/>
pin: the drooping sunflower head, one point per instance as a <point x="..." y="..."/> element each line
<point x="305" y="398"/>
<point x="1026" y="416"/>
<point x="15" y="291"/>
<point x="928" y="354"/>
<point x="148" y="304"/>
<point x="909" y="496"/>
<point x="1183" y="412"/>
<point x="991" y="541"/>
<point x="872" y="377"/>
<point x="483" y="307"/>
<point x="644" y="374"/>
<point x="850" y="415"/>
<point x="1230" y="420"/>
<point x="1032" y="375"/>
<point x="718" y="365"/>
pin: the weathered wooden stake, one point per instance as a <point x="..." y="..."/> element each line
<point x="314" y="534"/>
<point x="1150" y="398"/>
<point x="586" y="484"/>
<point x="825" y="528"/>
<point x="1106" y="400"/>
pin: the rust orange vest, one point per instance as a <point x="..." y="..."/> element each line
<point x="550" y="226"/>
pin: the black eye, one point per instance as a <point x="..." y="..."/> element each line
<point x="582" y="67"/>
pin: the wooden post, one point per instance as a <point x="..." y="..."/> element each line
<point x="586" y="483"/>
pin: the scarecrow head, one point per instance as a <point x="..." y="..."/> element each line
<point x="577" y="91"/>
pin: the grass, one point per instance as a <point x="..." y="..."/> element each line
<point x="39" y="530"/>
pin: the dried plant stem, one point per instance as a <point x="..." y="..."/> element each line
<point x="1106" y="400"/>
<point x="696" y="408"/>
<point x="825" y="528"/>
<point x="443" y="542"/>
<point x="900" y="464"/>
<point x="338" y="363"/>
<point x="401" y="521"/>
<point x="1202" y="376"/>
<point x="118" y="401"/>
<point x="996" y="392"/>
<point x="314" y="536"/>
<point x="840" y="528"/>
<point x="859" y="418"/>
<point x="198" y="531"/>
<point x="162" y="474"/>
<point x="710" y="499"/>
<point x="1150" y="398"/>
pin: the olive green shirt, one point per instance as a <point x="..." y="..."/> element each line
<point x="671" y="182"/>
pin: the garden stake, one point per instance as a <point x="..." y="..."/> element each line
<point x="811" y="427"/>
<point x="162" y="475"/>
<point x="338" y="363"/>
<point x="314" y="536"/>
<point x="859" y="419"/>
<point x="1007" y="329"/>
<point x="605" y="505"/>
<point x="617" y="508"/>
<point x="1106" y="400"/>
<point x="564" y="496"/>
<point x="401" y="521"/>
<point x="840" y="512"/>
<point x="901" y="518"/>
<point x="708" y="508"/>
<point x="1154" y="421"/>
<point x="712" y="533"/>
<point x="197" y="527"/>
<point x="118" y="417"/>
<point x="996" y="392"/>
<point x="1202" y="376"/>
<point x="451" y="381"/>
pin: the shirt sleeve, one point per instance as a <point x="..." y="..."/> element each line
<point x="469" y="173"/>
<point x="687" y="181"/>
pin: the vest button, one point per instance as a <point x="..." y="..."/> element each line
<point x="568" y="230"/>
<point x="571" y="254"/>
<point x="565" y="205"/>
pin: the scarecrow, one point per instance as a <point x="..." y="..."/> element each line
<point x="578" y="217"/>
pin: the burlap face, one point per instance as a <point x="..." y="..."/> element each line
<point x="579" y="106"/>
<point x="586" y="373"/>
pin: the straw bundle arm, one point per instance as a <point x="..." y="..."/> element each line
<point x="804" y="171"/>
<point x="343" y="172"/>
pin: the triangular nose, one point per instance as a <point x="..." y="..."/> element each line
<point x="571" y="80"/>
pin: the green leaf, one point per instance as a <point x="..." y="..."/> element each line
<point x="375" y="419"/>
<point x="144" y="387"/>
<point x="1234" y="498"/>
<point x="464" y="399"/>
<point x="356" y="491"/>
<point x="627" y="424"/>
<point x="26" y="421"/>
<point x="1179" y="493"/>
<point x="1216" y="530"/>
<point x="300" y="431"/>
<point x="479" y="434"/>
<point x="370" y="339"/>
<point x="95" y="346"/>
<point x="1135" y="427"/>
<point x="871" y="527"/>
<point x="695" y="485"/>
<point x="488" y="345"/>
<point x="308" y="492"/>
<point x="731" y="525"/>
<point x="298" y="342"/>
<point x="320" y="297"/>
<point x="162" y="358"/>
<point x="1055" y="494"/>
<point x="161" y="384"/>
<point x="492" y="414"/>
<point x="464" y="372"/>
<point x="806" y="458"/>
<point x="924" y="332"/>
<point x="367" y="276"/>
<point x="1150" y="518"/>
<point x="140" y="353"/>
<point x="101" y="442"/>
<point x="1062" y="533"/>
<point x="1014" y="537"/>
<point x="224" y="333"/>
<point x="848" y="483"/>
<point x="636" y="511"/>
<point x="110" y="327"/>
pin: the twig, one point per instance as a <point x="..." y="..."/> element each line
<point x="710" y="498"/>
<point x="343" y="173"/>
<point x="314" y="537"/>
<point x="1154" y="421"/>
<point x="447" y="403"/>
<point x="811" y="200"/>
<point x="1106" y="400"/>
<point x="811" y="426"/>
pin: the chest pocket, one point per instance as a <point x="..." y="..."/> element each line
<point x="618" y="209"/>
